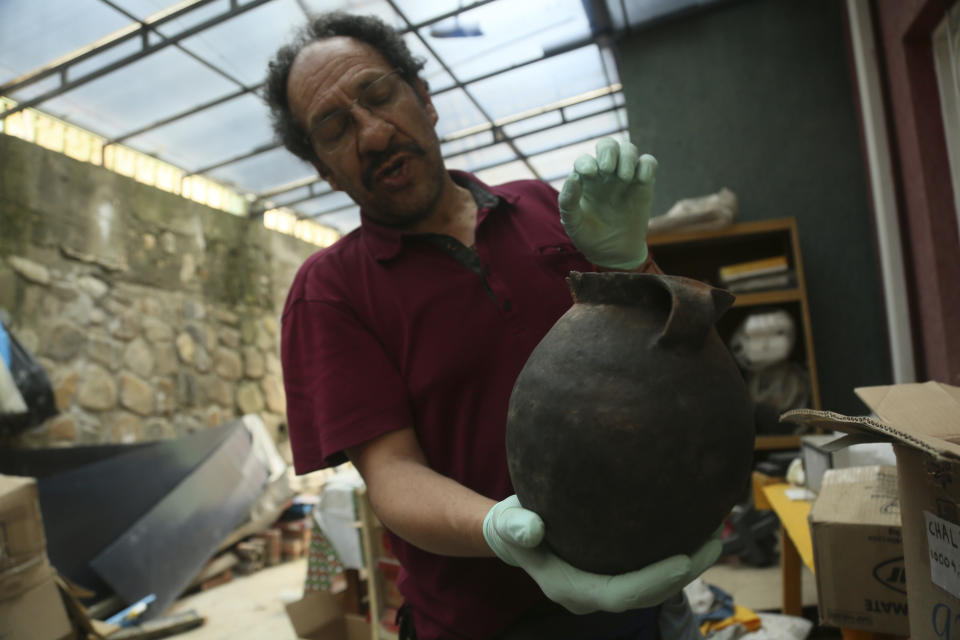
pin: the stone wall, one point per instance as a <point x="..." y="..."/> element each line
<point x="153" y="315"/>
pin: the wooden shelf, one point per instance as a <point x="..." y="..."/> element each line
<point x="701" y="254"/>
<point x="777" y="296"/>
<point x="772" y="443"/>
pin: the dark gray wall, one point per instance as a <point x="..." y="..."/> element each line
<point x="758" y="96"/>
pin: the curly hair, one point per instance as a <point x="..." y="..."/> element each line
<point x="368" y="29"/>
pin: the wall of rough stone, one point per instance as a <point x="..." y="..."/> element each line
<point x="153" y="315"/>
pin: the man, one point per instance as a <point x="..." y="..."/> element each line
<point x="401" y="342"/>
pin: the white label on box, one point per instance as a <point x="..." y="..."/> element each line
<point x="943" y="545"/>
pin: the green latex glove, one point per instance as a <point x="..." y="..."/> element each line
<point x="515" y="533"/>
<point x="605" y="204"/>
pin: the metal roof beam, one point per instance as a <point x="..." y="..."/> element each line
<point x="219" y="71"/>
<point x="67" y="85"/>
<point x="244" y="89"/>
<point x="105" y="43"/>
<point x="183" y="114"/>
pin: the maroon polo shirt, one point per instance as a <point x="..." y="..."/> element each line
<point x="387" y="329"/>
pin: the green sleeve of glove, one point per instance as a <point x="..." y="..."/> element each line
<point x="515" y="534"/>
<point x="605" y="204"/>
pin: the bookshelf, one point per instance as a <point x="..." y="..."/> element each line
<point x="702" y="254"/>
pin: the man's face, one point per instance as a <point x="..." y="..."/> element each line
<point x="388" y="159"/>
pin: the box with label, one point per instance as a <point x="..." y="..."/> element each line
<point x="857" y="550"/>
<point x="922" y="420"/>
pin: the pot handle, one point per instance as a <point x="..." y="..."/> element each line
<point x="695" y="309"/>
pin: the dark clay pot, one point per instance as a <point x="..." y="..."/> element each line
<point x="630" y="429"/>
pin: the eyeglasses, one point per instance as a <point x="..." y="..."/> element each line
<point x="336" y="129"/>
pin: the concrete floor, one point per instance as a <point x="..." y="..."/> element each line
<point x="252" y="607"/>
<point x="248" y="607"/>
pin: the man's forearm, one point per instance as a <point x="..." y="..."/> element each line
<point x="418" y="504"/>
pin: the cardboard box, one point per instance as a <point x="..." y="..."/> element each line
<point x="36" y="614"/>
<point x="858" y="552"/>
<point x="31" y="607"/>
<point x="923" y="422"/>
<point x="21" y="525"/>
<point x="318" y="616"/>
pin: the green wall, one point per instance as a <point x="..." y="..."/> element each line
<point x="758" y="96"/>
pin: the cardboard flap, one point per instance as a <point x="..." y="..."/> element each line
<point x="871" y="430"/>
<point x="928" y="411"/>
<point x="925" y="416"/>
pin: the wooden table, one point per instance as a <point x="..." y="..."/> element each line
<point x="795" y="543"/>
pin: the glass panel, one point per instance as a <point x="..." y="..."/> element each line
<point x="557" y="164"/>
<point x="166" y="82"/>
<point x="589" y="128"/>
<point x="516" y="170"/>
<point x="512" y="32"/>
<point x="242" y="46"/>
<point x="36" y="89"/>
<point x="146" y="8"/>
<point x="91" y="65"/>
<point x="473" y="160"/>
<point x="530" y="124"/>
<point x="264" y="172"/>
<point x="590" y="106"/>
<point x="210" y="136"/>
<point x="563" y="76"/>
<point x="377" y="8"/>
<point x="641" y="12"/>
<point x="456" y="112"/>
<point x="418" y="11"/>
<point x="34" y="33"/>
<point x="464" y="144"/>
<point x="433" y="72"/>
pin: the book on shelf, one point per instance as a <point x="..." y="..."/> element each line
<point x="766" y="266"/>
<point x="764" y="282"/>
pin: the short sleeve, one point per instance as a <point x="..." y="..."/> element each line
<point x="342" y="389"/>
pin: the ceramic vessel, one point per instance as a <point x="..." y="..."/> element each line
<point x="630" y="428"/>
